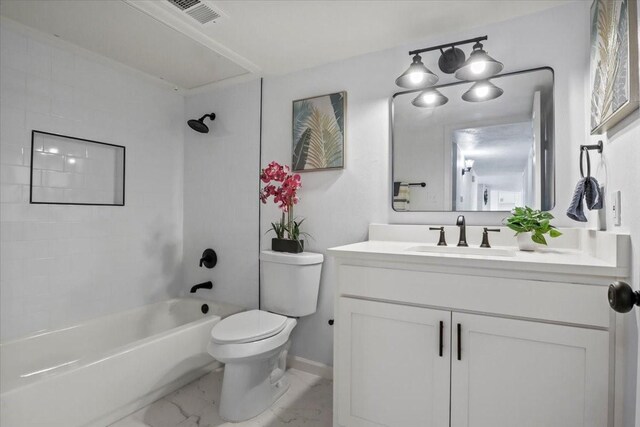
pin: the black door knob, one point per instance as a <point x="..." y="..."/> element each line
<point x="622" y="298"/>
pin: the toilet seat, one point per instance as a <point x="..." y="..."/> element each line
<point x="235" y="352"/>
<point x="248" y="326"/>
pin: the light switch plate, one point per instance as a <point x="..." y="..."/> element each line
<point x="615" y="207"/>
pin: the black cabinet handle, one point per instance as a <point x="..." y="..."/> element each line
<point x="459" y="341"/>
<point x="441" y="344"/>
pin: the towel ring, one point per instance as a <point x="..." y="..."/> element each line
<point x="582" y="152"/>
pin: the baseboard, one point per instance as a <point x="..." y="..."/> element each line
<point x="306" y="365"/>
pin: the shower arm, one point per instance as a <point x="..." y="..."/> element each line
<point x="211" y="116"/>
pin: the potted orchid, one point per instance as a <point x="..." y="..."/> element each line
<point x="283" y="187"/>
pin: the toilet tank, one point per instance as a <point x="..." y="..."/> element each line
<point x="290" y="282"/>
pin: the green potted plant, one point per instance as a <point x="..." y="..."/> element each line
<point x="283" y="187"/>
<point x="530" y="226"/>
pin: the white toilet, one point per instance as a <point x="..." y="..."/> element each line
<point x="253" y="345"/>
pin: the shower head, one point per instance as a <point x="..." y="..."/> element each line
<point x="198" y="125"/>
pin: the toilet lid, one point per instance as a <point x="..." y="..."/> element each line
<point x="248" y="326"/>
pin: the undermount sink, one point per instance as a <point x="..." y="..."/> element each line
<point x="462" y="250"/>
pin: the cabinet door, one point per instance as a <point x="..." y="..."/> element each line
<point x="391" y="370"/>
<point x="527" y="374"/>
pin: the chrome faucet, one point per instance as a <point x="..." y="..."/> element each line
<point x="463" y="231"/>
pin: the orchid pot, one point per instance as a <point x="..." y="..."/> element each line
<point x="287" y="245"/>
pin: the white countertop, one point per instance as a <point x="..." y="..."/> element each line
<point x="543" y="260"/>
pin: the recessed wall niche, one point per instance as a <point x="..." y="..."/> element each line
<point x="73" y="171"/>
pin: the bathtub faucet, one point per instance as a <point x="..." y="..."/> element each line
<point x="203" y="285"/>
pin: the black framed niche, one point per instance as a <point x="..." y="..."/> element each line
<point x="66" y="170"/>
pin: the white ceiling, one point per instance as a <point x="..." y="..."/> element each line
<point x="285" y="36"/>
<point x="123" y="33"/>
<point x="261" y="37"/>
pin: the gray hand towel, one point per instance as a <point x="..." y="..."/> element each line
<point x="588" y="189"/>
<point x="592" y="194"/>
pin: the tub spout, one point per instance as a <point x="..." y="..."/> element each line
<point x="203" y="285"/>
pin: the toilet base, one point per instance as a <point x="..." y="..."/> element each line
<point x="249" y="387"/>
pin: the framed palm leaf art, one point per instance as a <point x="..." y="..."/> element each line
<point x="614" y="62"/>
<point x="319" y="132"/>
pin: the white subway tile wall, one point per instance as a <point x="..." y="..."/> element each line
<point x="62" y="264"/>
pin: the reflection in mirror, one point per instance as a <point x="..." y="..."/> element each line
<point x="488" y="155"/>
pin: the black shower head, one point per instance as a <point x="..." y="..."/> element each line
<point x="198" y="125"/>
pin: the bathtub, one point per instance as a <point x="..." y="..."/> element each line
<point x="97" y="372"/>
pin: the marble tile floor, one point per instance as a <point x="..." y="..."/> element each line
<point x="308" y="403"/>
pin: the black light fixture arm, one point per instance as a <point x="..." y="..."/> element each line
<point x="448" y="45"/>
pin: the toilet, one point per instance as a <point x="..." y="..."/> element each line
<point x="254" y="344"/>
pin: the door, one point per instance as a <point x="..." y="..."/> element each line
<point x="527" y="374"/>
<point x="393" y="365"/>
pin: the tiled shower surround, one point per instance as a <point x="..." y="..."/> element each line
<point x="52" y="257"/>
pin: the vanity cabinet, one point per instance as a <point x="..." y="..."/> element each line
<point x="402" y="365"/>
<point x="528" y="374"/>
<point x="394" y="365"/>
<point x="427" y="337"/>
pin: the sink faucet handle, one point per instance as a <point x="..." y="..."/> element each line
<point x="485" y="236"/>
<point x="441" y="241"/>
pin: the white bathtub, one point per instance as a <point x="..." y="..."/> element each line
<point x="95" y="373"/>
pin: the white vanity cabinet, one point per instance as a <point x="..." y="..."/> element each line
<point x="398" y="373"/>
<point x="429" y="340"/>
<point x="528" y="374"/>
<point x="401" y="365"/>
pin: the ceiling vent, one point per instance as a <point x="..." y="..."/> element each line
<point x="198" y="10"/>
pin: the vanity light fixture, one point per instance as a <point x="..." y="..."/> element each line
<point x="417" y="75"/>
<point x="468" y="164"/>
<point x="483" y="90"/>
<point x="430" y="98"/>
<point x="479" y="66"/>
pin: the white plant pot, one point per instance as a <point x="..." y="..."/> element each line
<point x="525" y="243"/>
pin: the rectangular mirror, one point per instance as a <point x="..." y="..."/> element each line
<point x="73" y="171"/>
<point x="487" y="155"/>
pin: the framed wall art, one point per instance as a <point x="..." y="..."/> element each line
<point x="319" y="132"/>
<point x="614" y="62"/>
